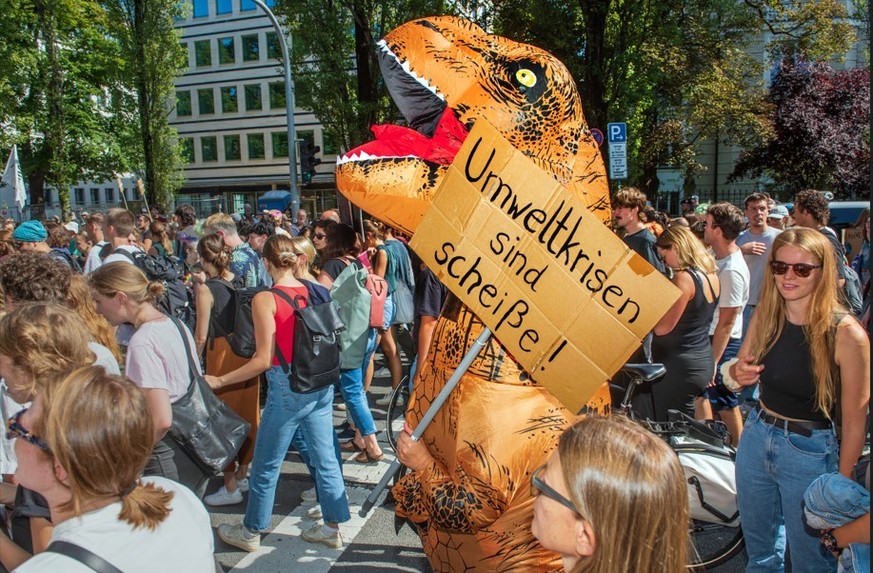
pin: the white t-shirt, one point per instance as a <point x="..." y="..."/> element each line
<point x="182" y="542"/>
<point x="105" y="358"/>
<point x="93" y="262"/>
<point x="733" y="275"/>
<point x="156" y="358"/>
<point x="757" y="263"/>
<point x="115" y="257"/>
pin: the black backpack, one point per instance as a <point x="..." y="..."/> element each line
<point x="316" y="345"/>
<point x="242" y="338"/>
<point x="169" y="271"/>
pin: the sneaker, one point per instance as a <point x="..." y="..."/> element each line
<point x="224" y="497"/>
<point x="384" y="400"/>
<point x="236" y="536"/>
<point x="316" y="534"/>
<point x="243" y="485"/>
<point x="382" y="373"/>
<point x="314" y="512"/>
<point x="309" y="494"/>
<point x="339" y="406"/>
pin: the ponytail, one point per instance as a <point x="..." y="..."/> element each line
<point x="145" y="506"/>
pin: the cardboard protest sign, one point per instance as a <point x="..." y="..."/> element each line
<point x="565" y="296"/>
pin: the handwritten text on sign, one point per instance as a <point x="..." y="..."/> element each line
<point x="560" y="291"/>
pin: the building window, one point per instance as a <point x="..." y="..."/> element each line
<point x="95" y="195"/>
<point x="306" y="135"/>
<point x="209" y="148"/>
<point x="186" y="145"/>
<point x="274" y="51"/>
<point x="229" y="103"/>
<point x="110" y="194"/>
<point x="331" y="146"/>
<point x="79" y="196"/>
<point x="277" y="95"/>
<point x="251" y="48"/>
<point x="224" y="7"/>
<point x="202" y="53"/>
<point x="206" y="101"/>
<point x="280" y="143"/>
<point x="246" y="6"/>
<point x="183" y="103"/>
<point x="253" y="97"/>
<point x="226" y="51"/>
<point x="184" y="46"/>
<point x="201" y="8"/>
<point x="256" y="145"/>
<point x="231" y="148"/>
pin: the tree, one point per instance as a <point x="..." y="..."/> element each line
<point x="821" y="122"/>
<point x="336" y="73"/>
<point x="59" y="69"/>
<point x="677" y="71"/>
<point x="153" y="58"/>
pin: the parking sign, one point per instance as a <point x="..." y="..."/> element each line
<point x="617" y="132"/>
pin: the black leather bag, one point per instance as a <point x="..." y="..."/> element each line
<point x="205" y="428"/>
<point x="316" y="362"/>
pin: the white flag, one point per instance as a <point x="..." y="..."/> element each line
<point x="12" y="192"/>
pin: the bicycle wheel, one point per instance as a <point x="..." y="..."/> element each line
<point x="713" y="544"/>
<point x="396" y="412"/>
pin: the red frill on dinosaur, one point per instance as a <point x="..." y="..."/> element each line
<point x="473" y="505"/>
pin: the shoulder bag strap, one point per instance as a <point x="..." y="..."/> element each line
<point x="191" y="370"/>
<point x="83" y="556"/>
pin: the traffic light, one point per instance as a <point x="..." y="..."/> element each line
<point x="308" y="160"/>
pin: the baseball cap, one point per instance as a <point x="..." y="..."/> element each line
<point x="72" y="226"/>
<point x="778" y="212"/>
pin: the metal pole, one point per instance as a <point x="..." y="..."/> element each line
<point x="435" y="406"/>
<point x="289" y="105"/>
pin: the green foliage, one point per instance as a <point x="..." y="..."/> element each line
<point x="334" y="60"/>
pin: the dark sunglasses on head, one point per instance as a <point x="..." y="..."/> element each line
<point x="802" y="270"/>
<point x="14" y="429"/>
<point x="538" y="486"/>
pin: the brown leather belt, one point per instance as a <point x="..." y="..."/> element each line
<point x="803" y="428"/>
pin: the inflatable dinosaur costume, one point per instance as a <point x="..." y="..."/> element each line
<point x="473" y="506"/>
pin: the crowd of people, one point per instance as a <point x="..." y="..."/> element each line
<point x="762" y="337"/>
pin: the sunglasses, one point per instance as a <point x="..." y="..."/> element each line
<point x="538" y="486"/>
<point x="14" y="429"/>
<point x="319" y="236"/>
<point x="802" y="270"/>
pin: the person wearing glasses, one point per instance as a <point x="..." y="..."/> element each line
<point x="83" y="447"/>
<point x="811" y="358"/>
<point x="612" y="497"/>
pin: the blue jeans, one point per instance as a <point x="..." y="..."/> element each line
<point x="352" y="388"/>
<point x="834" y="500"/>
<point x="284" y="413"/>
<point x="774" y="469"/>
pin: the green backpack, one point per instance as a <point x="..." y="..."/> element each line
<point x="350" y="294"/>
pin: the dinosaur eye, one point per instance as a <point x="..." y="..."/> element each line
<point x="526" y="78"/>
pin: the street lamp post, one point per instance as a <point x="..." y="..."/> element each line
<point x="289" y="107"/>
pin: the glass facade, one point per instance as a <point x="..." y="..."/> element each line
<point x="253" y="97"/>
<point x="206" y="101"/>
<point x="256" y="145"/>
<point x="231" y="148"/>
<point x="209" y="148"/>
<point x="224" y="7"/>
<point x="183" y="103"/>
<point x="226" y="53"/>
<point x="277" y="95"/>
<point x="229" y="100"/>
<point x="202" y="53"/>
<point x="186" y="145"/>
<point x="280" y="143"/>
<point x="251" y="48"/>
<point x="200" y="8"/>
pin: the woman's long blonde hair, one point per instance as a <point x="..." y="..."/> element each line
<point x="303" y="246"/>
<point x="99" y="428"/>
<point x="690" y="251"/>
<point x="628" y="484"/>
<point x="124" y="277"/>
<point x="45" y="339"/>
<point x="823" y="314"/>
<point x="79" y="298"/>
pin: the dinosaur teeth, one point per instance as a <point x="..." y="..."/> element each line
<point x="383" y="45"/>
<point x="364" y="156"/>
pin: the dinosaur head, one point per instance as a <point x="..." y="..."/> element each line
<point x="445" y="74"/>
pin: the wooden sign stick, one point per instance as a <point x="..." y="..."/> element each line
<point x="121" y="190"/>
<point x="142" y="194"/>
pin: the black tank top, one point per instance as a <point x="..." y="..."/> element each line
<point x="787" y="383"/>
<point x="223" y="310"/>
<point x="692" y="330"/>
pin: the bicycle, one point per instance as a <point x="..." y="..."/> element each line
<point x="704" y="452"/>
<point x="396" y="412"/>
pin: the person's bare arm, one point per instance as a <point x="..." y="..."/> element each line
<point x="11" y="555"/>
<point x="853" y="359"/>
<point x="204" y="301"/>
<point x="158" y="400"/>
<point x="263" y="313"/>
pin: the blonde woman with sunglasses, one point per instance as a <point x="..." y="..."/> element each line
<point x="812" y="359"/>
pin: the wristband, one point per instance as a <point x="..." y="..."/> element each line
<point x="729" y="381"/>
<point x="830" y="542"/>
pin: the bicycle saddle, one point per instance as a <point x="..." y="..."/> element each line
<point x="644" y="372"/>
